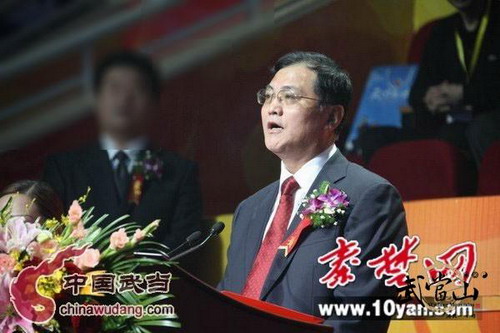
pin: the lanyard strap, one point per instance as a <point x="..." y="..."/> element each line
<point x="477" y="44"/>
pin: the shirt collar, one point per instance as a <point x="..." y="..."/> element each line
<point x="132" y="147"/>
<point x="306" y="175"/>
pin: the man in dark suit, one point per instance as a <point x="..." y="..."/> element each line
<point x="126" y="173"/>
<point x="302" y="110"/>
<point x="455" y="95"/>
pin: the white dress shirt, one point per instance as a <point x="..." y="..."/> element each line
<point x="305" y="177"/>
<point x="133" y="148"/>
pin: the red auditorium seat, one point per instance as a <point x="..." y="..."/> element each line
<point x="418" y="41"/>
<point x="421" y="169"/>
<point x="489" y="179"/>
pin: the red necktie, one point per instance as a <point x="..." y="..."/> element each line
<point x="274" y="237"/>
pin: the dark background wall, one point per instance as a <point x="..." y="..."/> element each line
<point x="209" y="114"/>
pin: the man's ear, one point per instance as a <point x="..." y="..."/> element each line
<point x="335" y="115"/>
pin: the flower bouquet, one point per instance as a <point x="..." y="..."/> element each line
<point x="323" y="208"/>
<point x="80" y="266"/>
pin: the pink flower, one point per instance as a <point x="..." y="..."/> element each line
<point x="88" y="259"/>
<point x="118" y="239"/>
<point x="10" y="322"/>
<point x="75" y="212"/>
<point x="17" y="234"/>
<point x="334" y="198"/>
<point x="4" y="292"/>
<point x="42" y="250"/>
<point x="139" y="235"/>
<point x="79" y="232"/>
<point x="7" y="263"/>
<point x="314" y="205"/>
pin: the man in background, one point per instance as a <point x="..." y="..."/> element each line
<point x="127" y="174"/>
<point x="456" y="93"/>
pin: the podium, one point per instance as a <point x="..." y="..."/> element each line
<point x="202" y="308"/>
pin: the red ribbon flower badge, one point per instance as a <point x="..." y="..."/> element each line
<point x="323" y="208"/>
<point x="148" y="167"/>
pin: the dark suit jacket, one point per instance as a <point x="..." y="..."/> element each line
<point x="440" y="62"/>
<point x="375" y="219"/>
<point x="175" y="198"/>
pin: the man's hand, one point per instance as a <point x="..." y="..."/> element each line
<point x="453" y="93"/>
<point x="434" y="98"/>
<point x="443" y="97"/>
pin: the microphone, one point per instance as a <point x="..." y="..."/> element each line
<point x="190" y="240"/>
<point x="215" y="230"/>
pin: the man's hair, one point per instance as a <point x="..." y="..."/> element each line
<point x="333" y="85"/>
<point x="133" y="60"/>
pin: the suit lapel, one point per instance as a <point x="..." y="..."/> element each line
<point x="334" y="170"/>
<point x="101" y="179"/>
<point x="256" y="228"/>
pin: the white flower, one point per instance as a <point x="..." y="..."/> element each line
<point x="17" y="234"/>
<point x="328" y="210"/>
<point x="43" y="236"/>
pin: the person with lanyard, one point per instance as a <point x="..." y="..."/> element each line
<point x="456" y="94"/>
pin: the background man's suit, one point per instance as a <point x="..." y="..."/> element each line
<point x="175" y="198"/>
<point x="375" y="219"/>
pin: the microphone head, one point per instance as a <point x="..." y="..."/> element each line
<point x="217" y="228"/>
<point x="193" y="237"/>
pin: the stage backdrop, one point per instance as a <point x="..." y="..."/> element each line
<point x="209" y="114"/>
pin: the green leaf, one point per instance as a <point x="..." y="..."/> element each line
<point x="161" y="246"/>
<point x="88" y="214"/>
<point x="5" y="212"/>
<point x="142" y="329"/>
<point x="128" y="297"/>
<point x="96" y="223"/>
<point x="103" y="242"/>
<point x="135" y="262"/>
<point x="164" y="323"/>
<point x="158" y="298"/>
<point x="114" y="223"/>
<point x="324" y="187"/>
